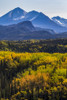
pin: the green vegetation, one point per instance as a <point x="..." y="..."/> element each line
<point x="50" y="46"/>
<point x="32" y="76"/>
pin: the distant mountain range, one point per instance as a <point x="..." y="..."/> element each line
<point x="38" y="19"/>
<point x="21" y="25"/>
<point x="25" y="30"/>
<point x="60" y="21"/>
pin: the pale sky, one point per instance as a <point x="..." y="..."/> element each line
<point x="48" y="7"/>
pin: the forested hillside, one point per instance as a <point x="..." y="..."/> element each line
<point x="51" y="46"/>
<point x="33" y="76"/>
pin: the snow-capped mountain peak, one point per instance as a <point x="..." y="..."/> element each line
<point x="59" y="20"/>
<point x="13" y="15"/>
<point x="38" y="19"/>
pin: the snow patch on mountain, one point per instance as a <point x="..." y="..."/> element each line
<point x="59" y="22"/>
<point x="19" y="18"/>
<point x="33" y="18"/>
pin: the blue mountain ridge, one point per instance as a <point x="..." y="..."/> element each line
<point x="38" y="19"/>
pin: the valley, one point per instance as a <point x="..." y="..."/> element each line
<point x="33" y="56"/>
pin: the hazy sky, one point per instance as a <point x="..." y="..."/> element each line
<point x="48" y="7"/>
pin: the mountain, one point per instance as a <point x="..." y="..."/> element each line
<point x="12" y="17"/>
<point x="31" y="15"/>
<point x="38" y="19"/>
<point x="62" y="35"/>
<point x="45" y="22"/>
<point x="60" y="21"/>
<point x="15" y="31"/>
<point x="24" y="31"/>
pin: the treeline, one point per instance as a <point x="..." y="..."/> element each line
<point x="33" y="76"/>
<point x="51" y="46"/>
